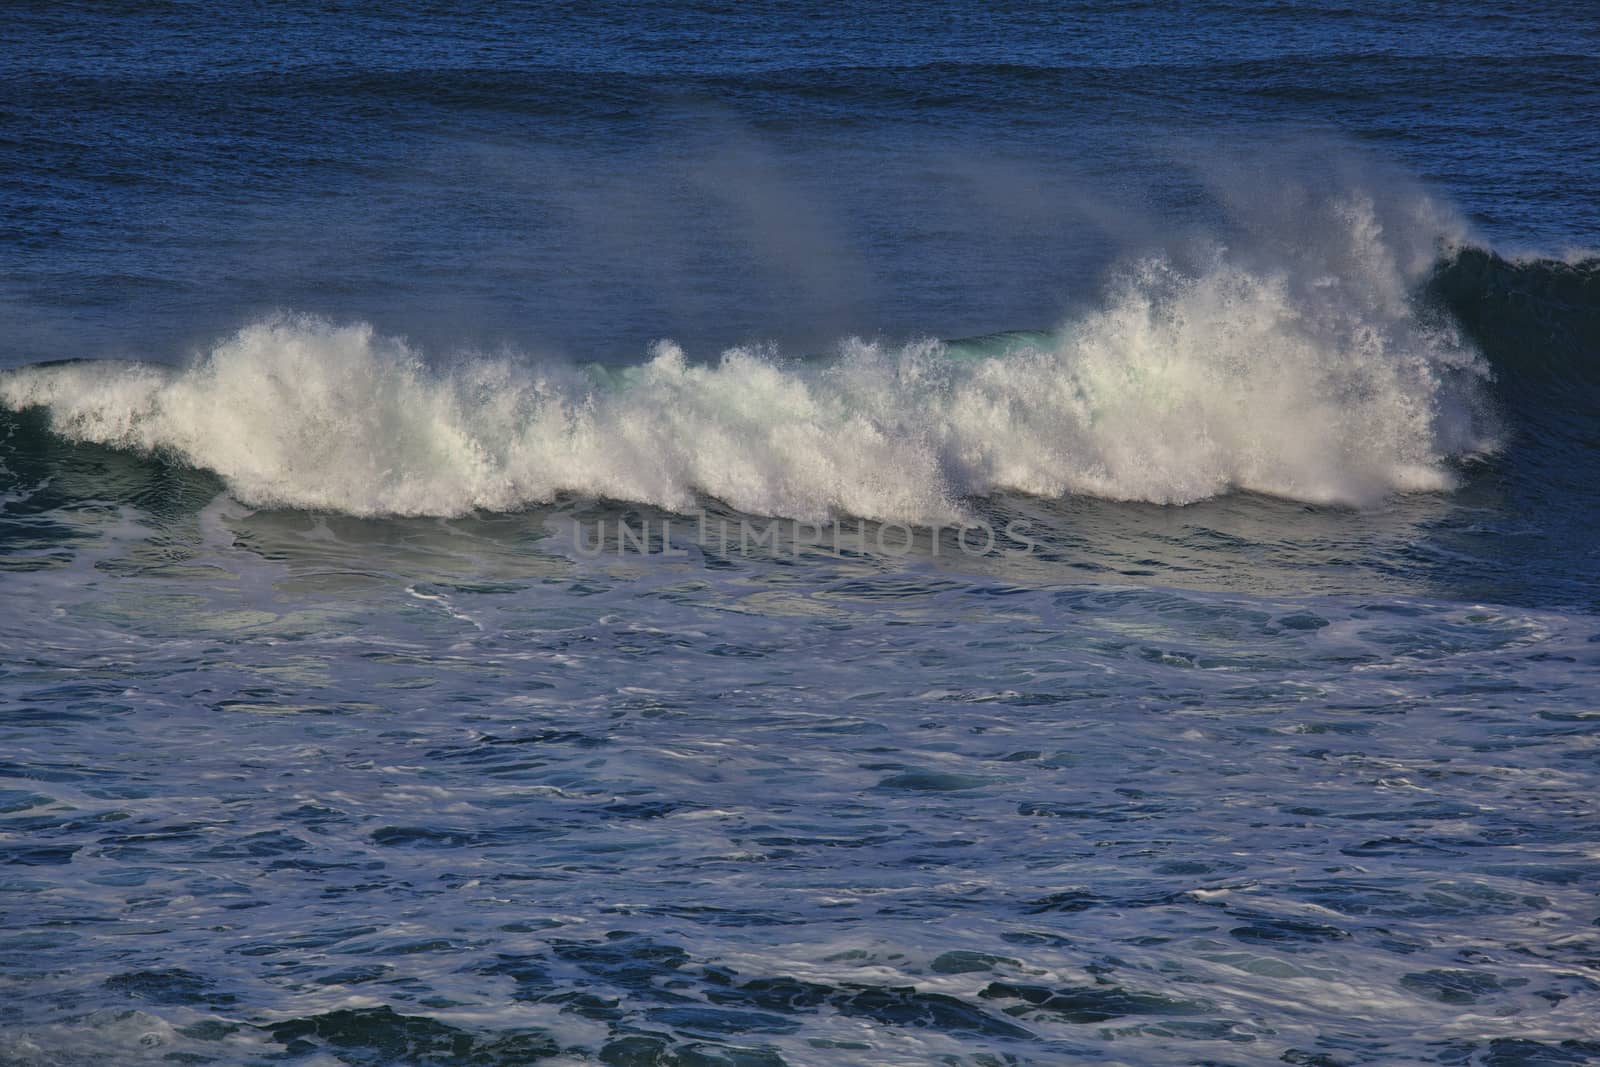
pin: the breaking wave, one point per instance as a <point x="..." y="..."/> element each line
<point x="1328" y="371"/>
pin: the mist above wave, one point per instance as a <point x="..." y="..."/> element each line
<point x="1300" y="366"/>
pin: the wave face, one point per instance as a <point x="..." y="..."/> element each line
<point x="1537" y="319"/>
<point x="1311" y="371"/>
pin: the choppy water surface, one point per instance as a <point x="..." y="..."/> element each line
<point x="408" y="657"/>
<point x="450" y="791"/>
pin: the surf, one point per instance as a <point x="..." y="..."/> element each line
<point x="1334" y="373"/>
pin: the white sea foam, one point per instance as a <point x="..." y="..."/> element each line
<point x="1313" y="378"/>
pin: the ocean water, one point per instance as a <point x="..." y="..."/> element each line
<point x="719" y="534"/>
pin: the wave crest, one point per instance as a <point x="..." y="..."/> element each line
<point x="1321" y="385"/>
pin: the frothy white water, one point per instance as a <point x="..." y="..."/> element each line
<point x="1314" y="379"/>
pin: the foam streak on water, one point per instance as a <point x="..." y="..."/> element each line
<point x="459" y="792"/>
<point x="407" y="658"/>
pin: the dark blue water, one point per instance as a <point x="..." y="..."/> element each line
<point x="588" y="179"/>
<point x="736" y="535"/>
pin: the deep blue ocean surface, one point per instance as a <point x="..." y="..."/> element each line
<point x="728" y="534"/>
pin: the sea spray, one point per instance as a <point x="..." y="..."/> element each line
<point x="1318" y="377"/>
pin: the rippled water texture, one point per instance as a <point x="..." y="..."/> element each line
<point x="409" y="657"/>
<point x="451" y="792"/>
